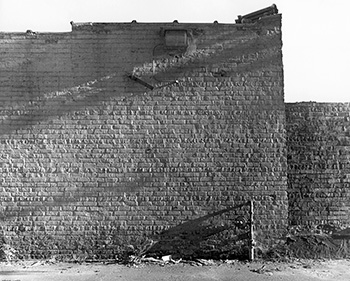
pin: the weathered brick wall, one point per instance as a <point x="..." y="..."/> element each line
<point x="318" y="140"/>
<point x="91" y="159"/>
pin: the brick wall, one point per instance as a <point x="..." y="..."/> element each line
<point x="318" y="140"/>
<point x="91" y="159"/>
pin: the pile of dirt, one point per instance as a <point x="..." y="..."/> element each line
<point x="309" y="246"/>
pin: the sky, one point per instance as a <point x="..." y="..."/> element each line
<point x="315" y="33"/>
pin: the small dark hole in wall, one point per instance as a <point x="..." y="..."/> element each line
<point x="21" y="228"/>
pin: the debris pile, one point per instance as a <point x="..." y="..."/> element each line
<point x="310" y="245"/>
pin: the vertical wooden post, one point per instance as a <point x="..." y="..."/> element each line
<point x="251" y="241"/>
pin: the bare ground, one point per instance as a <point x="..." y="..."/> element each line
<point x="204" y="270"/>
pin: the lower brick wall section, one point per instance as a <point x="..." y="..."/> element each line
<point x="69" y="188"/>
<point x="318" y="140"/>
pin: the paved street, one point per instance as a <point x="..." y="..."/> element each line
<point x="233" y="271"/>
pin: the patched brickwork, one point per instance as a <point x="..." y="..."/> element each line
<point x="318" y="138"/>
<point x="91" y="159"/>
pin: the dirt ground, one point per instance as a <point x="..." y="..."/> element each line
<point x="203" y="270"/>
